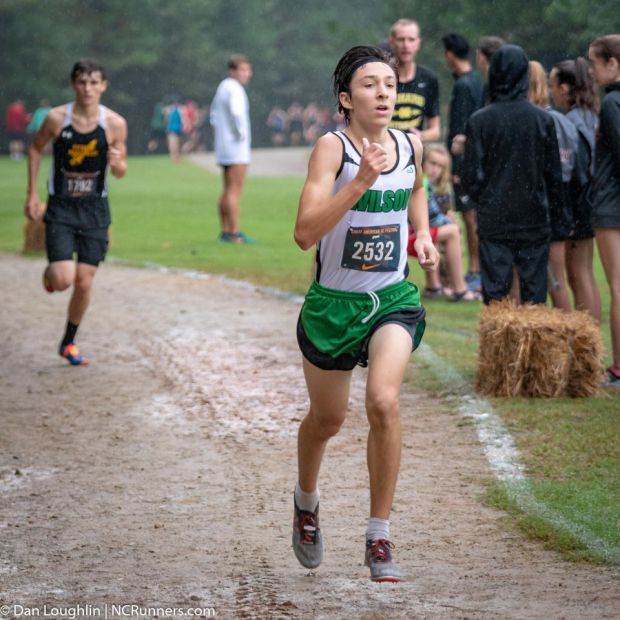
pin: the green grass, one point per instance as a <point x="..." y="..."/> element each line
<point x="543" y="510"/>
<point x="168" y="215"/>
<point x="572" y="453"/>
<point x="165" y="214"/>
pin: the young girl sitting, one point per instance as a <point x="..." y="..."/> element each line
<point x="444" y="231"/>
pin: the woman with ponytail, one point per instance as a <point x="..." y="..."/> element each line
<point x="573" y="92"/>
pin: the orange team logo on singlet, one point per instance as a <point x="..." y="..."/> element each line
<point x="79" y="152"/>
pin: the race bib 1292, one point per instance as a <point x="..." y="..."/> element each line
<point x="79" y="184"/>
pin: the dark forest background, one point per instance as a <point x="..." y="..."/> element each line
<point x="153" y="48"/>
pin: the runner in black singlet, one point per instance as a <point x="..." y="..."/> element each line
<point x="87" y="138"/>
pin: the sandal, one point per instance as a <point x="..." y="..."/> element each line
<point x="466" y="295"/>
<point x="433" y="293"/>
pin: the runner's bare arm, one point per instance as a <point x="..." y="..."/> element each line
<point x="117" y="150"/>
<point x="432" y="131"/>
<point x="428" y="256"/>
<point x="319" y="211"/>
<point x="33" y="209"/>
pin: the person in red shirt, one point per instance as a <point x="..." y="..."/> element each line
<point x="16" y="121"/>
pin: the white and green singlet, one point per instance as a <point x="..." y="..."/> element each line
<point x="367" y="249"/>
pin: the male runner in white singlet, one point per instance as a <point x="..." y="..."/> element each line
<point x="362" y="187"/>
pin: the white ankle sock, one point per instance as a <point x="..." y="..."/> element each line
<point x="378" y="528"/>
<point x="306" y="501"/>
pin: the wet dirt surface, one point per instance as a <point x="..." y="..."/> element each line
<point x="162" y="474"/>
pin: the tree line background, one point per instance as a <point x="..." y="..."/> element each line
<point x="151" y="48"/>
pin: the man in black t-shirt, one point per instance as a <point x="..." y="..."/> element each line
<point x="467" y="97"/>
<point x="417" y="101"/>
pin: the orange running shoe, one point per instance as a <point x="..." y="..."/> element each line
<point x="72" y="354"/>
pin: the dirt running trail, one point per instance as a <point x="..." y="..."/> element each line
<point x="162" y="474"/>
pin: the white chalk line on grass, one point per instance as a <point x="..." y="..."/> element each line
<point x="504" y="458"/>
<point x="497" y="443"/>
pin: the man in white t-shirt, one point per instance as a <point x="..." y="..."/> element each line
<point x="230" y="118"/>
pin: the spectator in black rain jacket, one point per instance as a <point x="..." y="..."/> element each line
<point x="512" y="172"/>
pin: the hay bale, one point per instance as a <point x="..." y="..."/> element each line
<point x="538" y="352"/>
<point x="34" y="235"/>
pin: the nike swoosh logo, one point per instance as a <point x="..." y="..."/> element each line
<point x="368" y="267"/>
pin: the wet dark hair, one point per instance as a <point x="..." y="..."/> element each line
<point x="457" y="44"/>
<point x="487" y="46"/>
<point x="238" y="59"/>
<point x="86" y="66"/>
<point x="581" y="89"/>
<point x="350" y="62"/>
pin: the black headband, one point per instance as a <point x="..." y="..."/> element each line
<point x="364" y="61"/>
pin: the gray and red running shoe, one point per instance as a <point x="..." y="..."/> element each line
<point x="379" y="559"/>
<point x="307" y="538"/>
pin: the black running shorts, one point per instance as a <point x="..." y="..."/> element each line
<point x="63" y="240"/>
